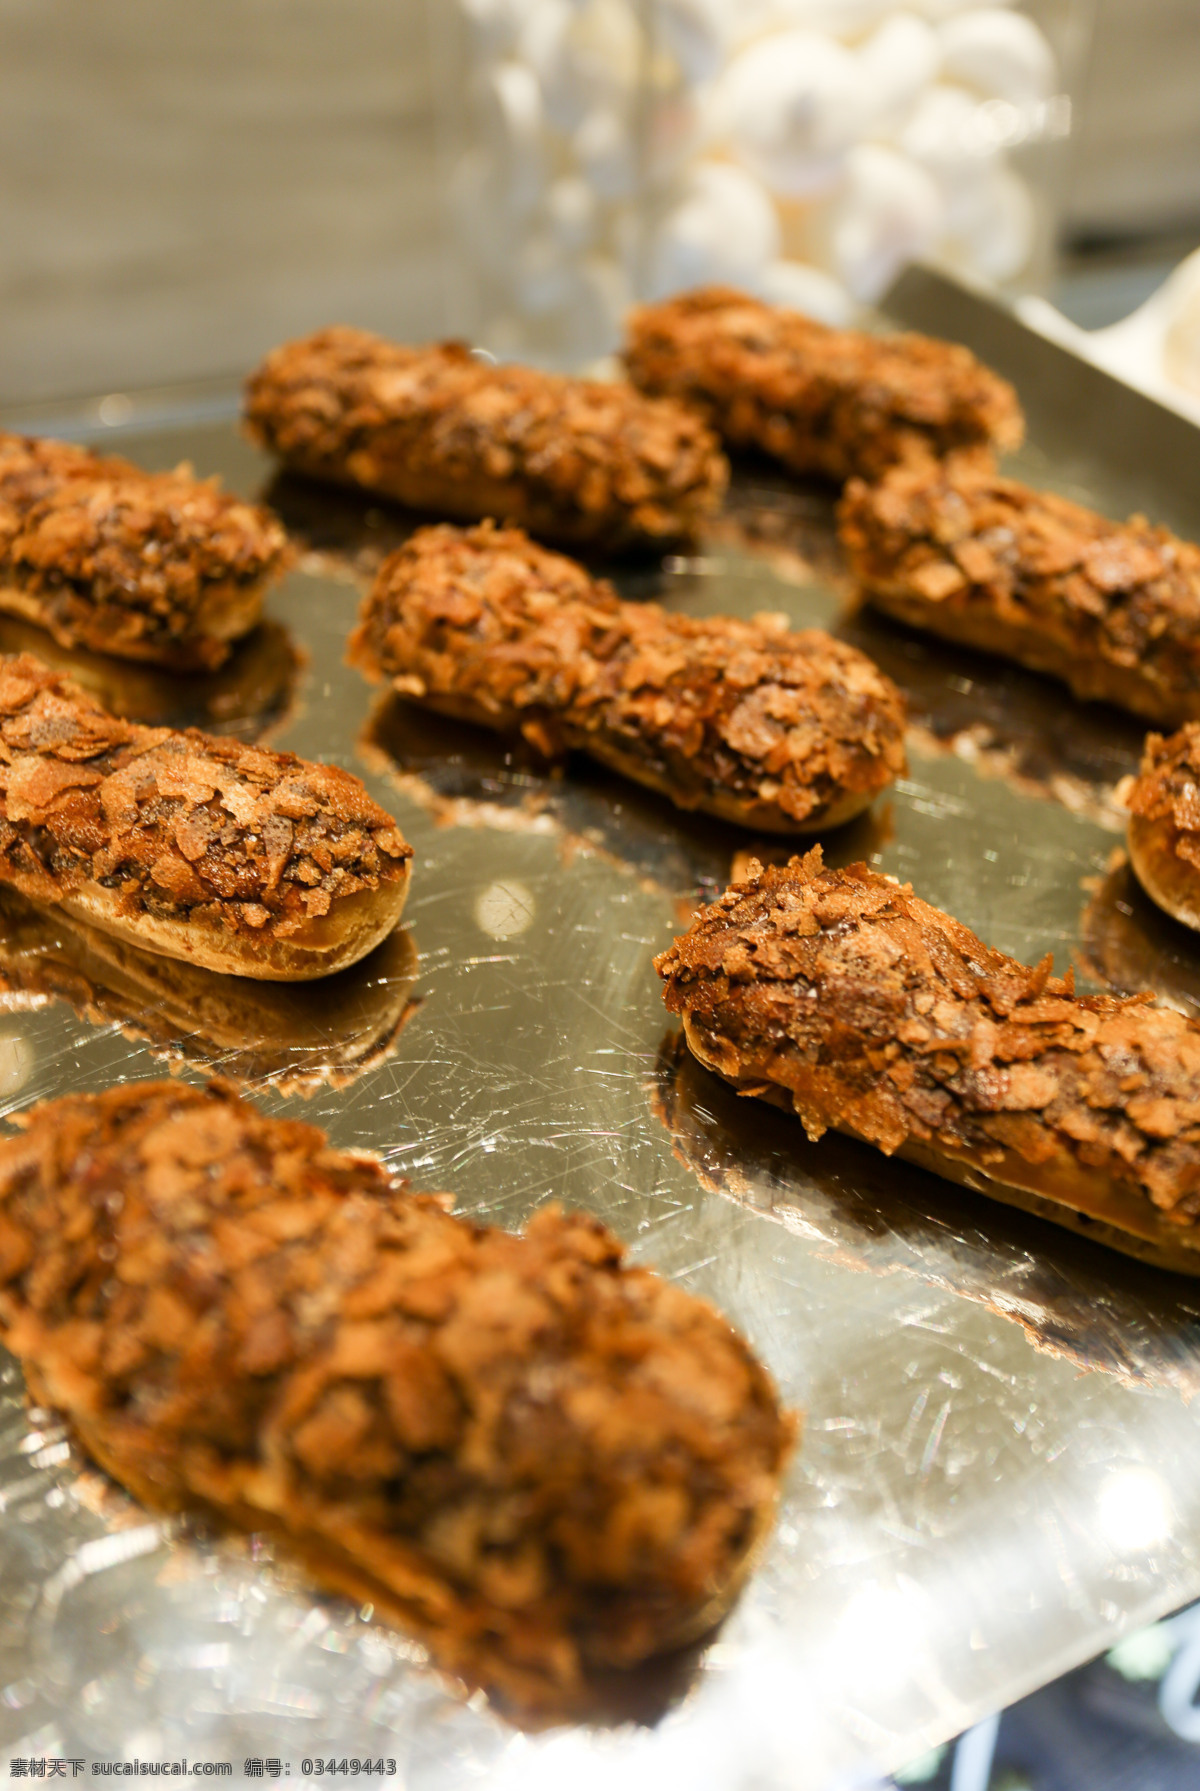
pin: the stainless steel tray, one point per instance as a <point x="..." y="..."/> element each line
<point x="1001" y="1466"/>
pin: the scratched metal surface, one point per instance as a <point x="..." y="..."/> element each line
<point x="1001" y="1466"/>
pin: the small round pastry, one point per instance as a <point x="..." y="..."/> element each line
<point x="1164" y="822"/>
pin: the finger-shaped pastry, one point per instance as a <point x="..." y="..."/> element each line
<point x="440" y="430"/>
<point x="1111" y="608"/>
<point x="536" y="1457"/>
<point x="240" y="859"/>
<point x="1164" y="820"/>
<point x="161" y="567"/>
<point x="833" y="402"/>
<point x="744" y="720"/>
<point x="844" y="998"/>
<point x="296" y="1036"/>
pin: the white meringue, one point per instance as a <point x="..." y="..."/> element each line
<point x="890" y="212"/>
<point x="943" y="136"/>
<point x="794" y="104"/>
<point x="799" y="286"/>
<point x="642" y="146"/>
<point x="481" y="216"/>
<point x="836" y="18"/>
<point x="696" y="33"/>
<point x="902" y="57"/>
<point x="994" y="225"/>
<point x="605" y="151"/>
<point x="511" y="131"/>
<point x="724" y="229"/>
<point x="1001" y="54"/>
<point x="1181" y="338"/>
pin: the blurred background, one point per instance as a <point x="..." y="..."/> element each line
<point x="184" y="186"/>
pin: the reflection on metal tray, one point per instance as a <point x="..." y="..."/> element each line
<point x="251" y="697"/>
<point x="292" y="1035"/>
<point x="1001" y="1468"/>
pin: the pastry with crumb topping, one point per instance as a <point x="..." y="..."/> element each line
<point x="1111" y="608"/>
<point x="1164" y="822"/>
<point x="161" y="567"/>
<point x="441" y="430"/>
<point x="538" y="1458"/>
<point x="823" y="401"/>
<point x="842" y="997"/>
<point x="231" y="856"/>
<point x="744" y="720"/>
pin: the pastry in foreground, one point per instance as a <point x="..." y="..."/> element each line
<point x="744" y="720"/>
<point x="1164" y="822"/>
<point x="537" y="1458"/>
<point x="843" y="997"/>
<point x="1111" y="608"/>
<point x="832" y="402"/>
<point x="441" y="430"/>
<point x="161" y="567"/>
<point x="234" y="857"/>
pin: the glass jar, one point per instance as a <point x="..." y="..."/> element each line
<point x="604" y="151"/>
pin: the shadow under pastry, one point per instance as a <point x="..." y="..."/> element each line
<point x="787" y="521"/>
<point x="1008" y="722"/>
<point x="294" y="1036"/>
<point x="251" y="696"/>
<point x="467" y="776"/>
<point x="194" y="1544"/>
<point x="1072" y="1298"/>
<point x="347" y="533"/>
<point x="1128" y="944"/>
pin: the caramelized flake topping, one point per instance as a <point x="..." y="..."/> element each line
<point x="966" y="542"/>
<point x="179" y="824"/>
<point x="825" y="401"/>
<point x="121" y="560"/>
<point x="1167" y="788"/>
<point x="530" y="639"/>
<point x="435" y="426"/>
<point x="885" y="1018"/>
<point x="541" y="1453"/>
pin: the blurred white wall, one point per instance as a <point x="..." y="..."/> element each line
<point x="1136" y="166"/>
<point x="183" y="185"/>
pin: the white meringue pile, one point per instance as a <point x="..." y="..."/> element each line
<point x="802" y="149"/>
